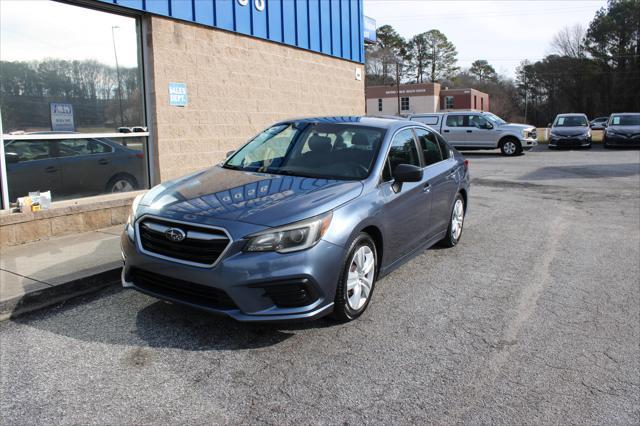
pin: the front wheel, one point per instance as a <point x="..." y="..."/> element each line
<point x="454" y="231"/>
<point x="510" y="147"/>
<point x="357" y="280"/>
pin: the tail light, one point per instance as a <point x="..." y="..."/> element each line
<point x="466" y="165"/>
<point x="138" y="155"/>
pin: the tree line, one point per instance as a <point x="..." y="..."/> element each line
<point x="93" y="88"/>
<point x="595" y="70"/>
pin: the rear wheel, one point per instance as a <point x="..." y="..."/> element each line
<point x="121" y="183"/>
<point x="357" y="280"/>
<point x="456" y="222"/>
<point x="510" y="147"/>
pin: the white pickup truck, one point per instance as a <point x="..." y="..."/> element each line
<point x="480" y="130"/>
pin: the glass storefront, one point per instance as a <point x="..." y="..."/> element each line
<point x="71" y="100"/>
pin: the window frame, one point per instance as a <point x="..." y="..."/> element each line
<point x="446" y="102"/>
<point x="424" y="160"/>
<point x="402" y="103"/>
<point x="149" y="167"/>
<point x="380" y="104"/>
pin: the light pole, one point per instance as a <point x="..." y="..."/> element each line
<point x="115" y="53"/>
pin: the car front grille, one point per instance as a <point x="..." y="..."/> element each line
<point x="171" y="288"/>
<point x="201" y="245"/>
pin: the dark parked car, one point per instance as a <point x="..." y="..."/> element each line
<point x="598" y="123"/>
<point x="622" y="130"/>
<point x="70" y="167"/>
<point x="300" y="222"/>
<point x="570" y="131"/>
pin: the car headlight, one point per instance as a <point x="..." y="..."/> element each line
<point x="134" y="209"/>
<point x="294" y="237"/>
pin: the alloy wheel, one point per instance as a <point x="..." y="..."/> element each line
<point x="360" y="278"/>
<point x="457" y="219"/>
<point x="122" y="185"/>
<point x="510" y="148"/>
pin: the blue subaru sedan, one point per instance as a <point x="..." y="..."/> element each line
<point x="300" y="222"/>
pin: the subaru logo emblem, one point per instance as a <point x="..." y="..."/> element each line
<point x="175" y="234"/>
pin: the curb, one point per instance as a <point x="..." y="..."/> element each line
<point x="33" y="301"/>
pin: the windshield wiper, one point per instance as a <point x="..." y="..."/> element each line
<point x="300" y="174"/>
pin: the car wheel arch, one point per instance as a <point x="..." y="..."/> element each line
<point x="376" y="235"/>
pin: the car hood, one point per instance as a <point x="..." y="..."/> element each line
<point x="570" y="131"/>
<point x="516" y="127"/>
<point x="626" y="130"/>
<point x="257" y="198"/>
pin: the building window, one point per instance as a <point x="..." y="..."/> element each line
<point x="475" y="102"/>
<point x="404" y="104"/>
<point x="380" y="105"/>
<point x="71" y="101"/>
<point x="448" y="102"/>
<point x="481" y="104"/>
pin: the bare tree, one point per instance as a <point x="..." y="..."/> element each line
<point x="569" y="41"/>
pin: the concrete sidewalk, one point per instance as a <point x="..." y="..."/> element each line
<point x="45" y="272"/>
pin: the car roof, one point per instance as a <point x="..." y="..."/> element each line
<point x="569" y="114"/>
<point x="625" y="113"/>
<point x="356" y="120"/>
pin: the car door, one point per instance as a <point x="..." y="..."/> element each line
<point x="480" y="133"/>
<point x="407" y="205"/>
<point x="454" y="129"/>
<point x="439" y="174"/>
<point x="86" y="165"/>
<point x="32" y="166"/>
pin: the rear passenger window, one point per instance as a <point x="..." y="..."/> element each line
<point x="403" y="150"/>
<point x="430" y="146"/>
<point x="456" y="121"/>
<point x="444" y="148"/>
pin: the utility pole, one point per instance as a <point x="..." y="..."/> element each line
<point x="115" y="53"/>
<point x="398" y="83"/>
<point x="526" y="93"/>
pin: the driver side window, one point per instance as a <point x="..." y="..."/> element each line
<point x="478" y="121"/>
<point x="403" y="151"/>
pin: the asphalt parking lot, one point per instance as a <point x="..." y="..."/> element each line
<point x="533" y="318"/>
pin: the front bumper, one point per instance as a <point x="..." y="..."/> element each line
<point x="257" y="287"/>
<point x="621" y="140"/>
<point x="569" y="142"/>
<point x="528" y="143"/>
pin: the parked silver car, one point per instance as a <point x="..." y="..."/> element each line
<point x="467" y="130"/>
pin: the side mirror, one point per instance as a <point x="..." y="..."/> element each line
<point x="230" y="153"/>
<point x="11" y="157"/>
<point x="488" y="126"/>
<point x="407" y="173"/>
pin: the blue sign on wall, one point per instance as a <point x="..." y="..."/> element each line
<point x="178" y="94"/>
<point x="370" y="29"/>
<point x="332" y="27"/>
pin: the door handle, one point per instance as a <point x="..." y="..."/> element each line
<point x="426" y="187"/>
<point x="446" y="131"/>
<point x="103" y="161"/>
<point x="469" y="131"/>
<point x="51" y="169"/>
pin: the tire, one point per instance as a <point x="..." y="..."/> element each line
<point x="605" y="144"/>
<point x="349" y="303"/>
<point x="456" y="223"/>
<point x="510" y="147"/>
<point x="121" y="183"/>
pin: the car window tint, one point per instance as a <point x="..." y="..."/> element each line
<point x="430" y="147"/>
<point x="403" y="150"/>
<point x="30" y="150"/>
<point x="444" y="148"/>
<point x="73" y="147"/>
<point x="456" y="121"/>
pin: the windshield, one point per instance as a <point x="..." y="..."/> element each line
<point x="319" y="150"/>
<point x="571" y="121"/>
<point x="495" y="119"/>
<point x="625" y="120"/>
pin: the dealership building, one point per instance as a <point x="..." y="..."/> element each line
<point x="422" y="98"/>
<point x="103" y="98"/>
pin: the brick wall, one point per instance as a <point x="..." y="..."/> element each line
<point x="236" y="86"/>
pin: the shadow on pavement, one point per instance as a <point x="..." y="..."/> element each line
<point x="124" y="317"/>
<point x="592" y="171"/>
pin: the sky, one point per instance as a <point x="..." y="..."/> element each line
<point x="37" y="29"/>
<point x="502" y="32"/>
